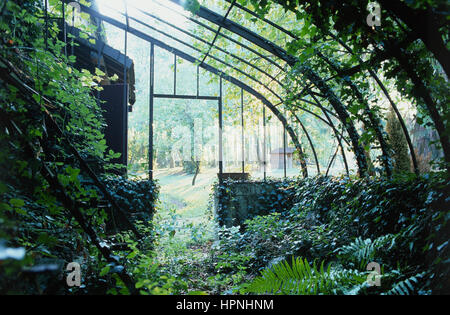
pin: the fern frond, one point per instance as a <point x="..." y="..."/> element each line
<point x="301" y="278"/>
<point x="361" y="252"/>
<point x="407" y="286"/>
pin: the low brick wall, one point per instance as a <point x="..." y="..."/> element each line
<point x="237" y="201"/>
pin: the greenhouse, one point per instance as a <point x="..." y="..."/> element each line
<point x="224" y="147"/>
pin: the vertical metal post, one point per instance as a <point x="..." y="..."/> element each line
<point x="150" y="111"/>
<point x="98" y="66"/>
<point x="46" y="24"/>
<point x="264" y="143"/>
<point x="125" y="90"/>
<point x="284" y="147"/>
<point x="198" y="80"/>
<point x="174" y="74"/>
<point x="73" y="26"/>
<point x="220" y="130"/>
<point x="99" y="54"/>
<point x="63" y="8"/>
<point x="242" y="131"/>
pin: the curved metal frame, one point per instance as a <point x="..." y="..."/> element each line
<point x="205" y="66"/>
<point x="211" y="45"/>
<point x="354" y="70"/>
<point x="290" y="60"/>
<point x="260" y="44"/>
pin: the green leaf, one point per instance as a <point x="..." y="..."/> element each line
<point x="17" y="202"/>
<point x="104" y="271"/>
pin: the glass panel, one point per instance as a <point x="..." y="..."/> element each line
<point x="218" y="6"/>
<point x="254" y="137"/>
<point x="274" y="143"/>
<point x="112" y="8"/>
<point x="209" y="83"/>
<point x="186" y="77"/>
<point x="231" y="128"/>
<point x="138" y="119"/>
<point x="115" y="37"/>
<point x="293" y="161"/>
<point x="260" y="27"/>
<point x="163" y="71"/>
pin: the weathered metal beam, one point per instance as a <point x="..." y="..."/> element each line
<point x="187" y="97"/>
<point x="150" y="110"/>
<point x="309" y="73"/>
<point x="212" y="45"/>
<point x="205" y="66"/>
<point x="257" y="53"/>
<point x="251" y="36"/>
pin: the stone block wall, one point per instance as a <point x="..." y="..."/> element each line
<point x="237" y="201"/>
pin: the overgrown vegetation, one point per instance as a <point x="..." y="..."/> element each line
<point x="60" y="201"/>
<point x="337" y="227"/>
<point x="398" y="144"/>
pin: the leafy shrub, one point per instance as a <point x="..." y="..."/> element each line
<point x="136" y="197"/>
<point x="397" y="142"/>
<point x="272" y="196"/>
<point x="360" y="252"/>
<point x="50" y="122"/>
<point x="401" y="223"/>
<point x="299" y="277"/>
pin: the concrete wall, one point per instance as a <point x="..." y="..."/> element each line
<point x="244" y="200"/>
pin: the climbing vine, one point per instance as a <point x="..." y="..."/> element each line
<point x="56" y="200"/>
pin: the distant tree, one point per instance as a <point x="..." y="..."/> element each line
<point x="398" y="143"/>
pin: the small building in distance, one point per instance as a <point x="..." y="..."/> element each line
<point x="277" y="158"/>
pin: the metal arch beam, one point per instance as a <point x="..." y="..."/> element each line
<point x="93" y="12"/>
<point x="354" y="70"/>
<point x="322" y="108"/>
<point x="393" y="105"/>
<point x="207" y="67"/>
<point x="292" y="35"/>
<point x="256" y="39"/>
<point x="308" y="72"/>
<point x="224" y="36"/>
<point x="373" y="119"/>
<point x="339" y="135"/>
<point x="344" y="158"/>
<point x="378" y="58"/>
<point x="322" y="120"/>
<point x="105" y="18"/>
<point x="309" y="140"/>
<point x="308" y="102"/>
<point x="217" y="32"/>
<point x="278" y="27"/>
<point x="213" y="46"/>
<point x="243" y="32"/>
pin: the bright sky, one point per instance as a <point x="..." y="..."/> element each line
<point x="154" y="7"/>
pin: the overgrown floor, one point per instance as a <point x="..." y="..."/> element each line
<point x="185" y="228"/>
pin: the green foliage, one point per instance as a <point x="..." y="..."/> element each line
<point x="360" y="252"/>
<point x="349" y="223"/>
<point x="32" y="214"/>
<point x="295" y="278"/>
<point x="401" y="222"/>
<point x="299" y="277"/>
<point x="136" y="197"/>
<point x="398" y="143"/>
<point x="407" y="286"/>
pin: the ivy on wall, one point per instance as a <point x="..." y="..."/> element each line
<point x="239" y="200"/>
<point x="342" y="224"/>
<point x="57" y="197"/>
